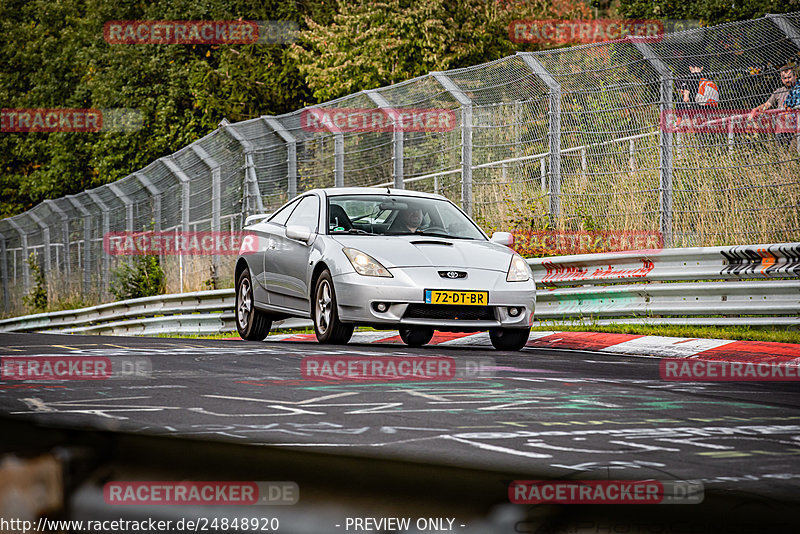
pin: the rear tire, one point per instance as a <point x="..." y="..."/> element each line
<point x="253" y="325"/>
<point x="327" y="326"/>
<point x="509" y="338"/>
<point x="416" y="336"/>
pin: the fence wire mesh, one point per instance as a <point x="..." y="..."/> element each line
<point x="567" y="139"/>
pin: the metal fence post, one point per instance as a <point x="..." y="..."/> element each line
<point x="155" y="193"/>
<point x="553" y="129"/>
<point x="665" y="138"/>
<point x="26" y="274"/>
<point x="87" y="244"/>
<point x="251" y="180"/>
<point x="466" y="137"/>
<point x="397" y="139"/>
<point x="291" y="153"/>
<point x="128" y="205"/>
<point x="216" y="200"/>
<point x="106" y="229"/>
<point x="184" y="180"/>
<point x="45" y="237"/>
<point x="4" y="272"/>
<point x="64" y="233"/>
<point x="786" y="27"/>
<point x="338" y="159"/>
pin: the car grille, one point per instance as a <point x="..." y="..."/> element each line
<point x="449" y="312"/>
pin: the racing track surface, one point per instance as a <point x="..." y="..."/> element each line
<point x="544" y="413"/>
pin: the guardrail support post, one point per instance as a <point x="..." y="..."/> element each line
<point x="291" y="154"/>
<point x="466" y="137"/>
<point x="665" y="138"/>
<point x="553" y="128"/>
<point x="397" y="139"/>
<point x="106" y="229"/>
<point x="87" y="244"/>
<point x="251" y="180"/>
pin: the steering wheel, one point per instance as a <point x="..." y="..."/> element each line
<point x="435" y="228"/>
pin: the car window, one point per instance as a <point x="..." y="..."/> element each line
<point x="306" y="213"/>
<point x="282" y="214"/>
<point x="394" y="214"/>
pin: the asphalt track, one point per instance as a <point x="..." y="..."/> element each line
<point x="538" y="413"/>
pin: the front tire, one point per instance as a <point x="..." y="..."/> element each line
<point x="253" y="325"/>
<point x="509" y="338"/>
<point x="416" y="336"/>
<point x="327" y="326"/>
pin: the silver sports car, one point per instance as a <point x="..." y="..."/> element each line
<point x="384" y="258"/>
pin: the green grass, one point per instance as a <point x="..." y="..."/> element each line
<point x="742" y="333"/>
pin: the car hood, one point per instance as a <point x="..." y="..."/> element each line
<point x="424" y="251"/>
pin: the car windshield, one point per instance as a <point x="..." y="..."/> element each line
<point x="398" y="215"/>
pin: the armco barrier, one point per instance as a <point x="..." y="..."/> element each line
<point x="734" y="285"/>
<point x="744" y="285"/>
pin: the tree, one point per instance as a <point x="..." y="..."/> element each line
<point x="370" y="44"/>
<point x="708" y="12"/>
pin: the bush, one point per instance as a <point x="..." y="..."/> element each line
<point x="141" y="277"/>
<point x="36" y="300"/>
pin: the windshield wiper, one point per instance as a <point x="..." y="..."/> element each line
<point x="352" y="231"/>
<point x="439" y="234"/>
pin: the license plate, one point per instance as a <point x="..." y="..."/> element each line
<point x="474" y="298"/>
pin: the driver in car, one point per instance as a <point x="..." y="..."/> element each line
<point x="408" y="220"/>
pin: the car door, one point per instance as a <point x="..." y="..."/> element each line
<point x="288" y="284"/>
<point x="267" y="232"/>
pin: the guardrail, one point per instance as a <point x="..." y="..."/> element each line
<point x="745" y="285"/>
<point x="734" y="285"/>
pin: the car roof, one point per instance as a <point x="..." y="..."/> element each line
<point x="336" y="191"/>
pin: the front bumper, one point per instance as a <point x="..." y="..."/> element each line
<point x="357" y="294"/>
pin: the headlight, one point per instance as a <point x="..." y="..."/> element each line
<point x="518" y="271"/>
<point x="364" y="264"/>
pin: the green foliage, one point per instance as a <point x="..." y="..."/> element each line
<point x="36" y="300"/>
<point x="142" y="277"/>
<point x="374" y="43"/>
<point x="708" y="12"/>
<point x="53" y="55"/>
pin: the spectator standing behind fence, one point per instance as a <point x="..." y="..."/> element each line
<point x="778" y="98"/>
<point x="706" y="91"/>
<point x="793" y="97"/>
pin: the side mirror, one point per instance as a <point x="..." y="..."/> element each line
<point x="257" y="218"/>
<point x="502" y="238"/>
<point x="300" y="233"/>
